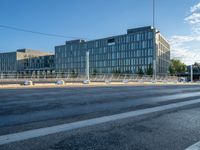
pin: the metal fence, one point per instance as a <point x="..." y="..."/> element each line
<point x="69" y="77"/>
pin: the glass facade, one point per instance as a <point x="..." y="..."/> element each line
<point x="129" y="53"/>
<point x="8" y="62"/>
<point x="26" y="60"/>
<point x="163" y="54"/>
<point x="40" y="63"/>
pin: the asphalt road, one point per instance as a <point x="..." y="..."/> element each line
<point x="26" y="109"/>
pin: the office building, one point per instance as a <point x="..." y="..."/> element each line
<point x="40" y="65"/>
<point x="26" y="61"/>
<point x="133" y="52"/>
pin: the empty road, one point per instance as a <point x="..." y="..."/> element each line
<point x="28" y="109"/>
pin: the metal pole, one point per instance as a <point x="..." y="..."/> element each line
<point x="191" y="73"/>
<point x="155" y="55"/>
<point x="87" y="66"/>
<point x="153" y="13"/>
<point x="154" y="66"/>
<point x="154" y="44"/>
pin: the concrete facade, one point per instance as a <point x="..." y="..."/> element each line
<point x="25" y="61"/>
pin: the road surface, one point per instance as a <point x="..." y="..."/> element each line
<point x="29" y="109"/>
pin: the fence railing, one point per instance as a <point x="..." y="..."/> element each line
<point x="69" y="77"/>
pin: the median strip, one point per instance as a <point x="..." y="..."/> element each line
<point x="25" y="135"/>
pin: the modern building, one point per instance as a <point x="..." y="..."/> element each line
<point x="41" y="64"/>
<point x="8" y="62"/>
<point x="25" y="61"/>
<point x="138" y="51"/>
<point x="133" y="52"/>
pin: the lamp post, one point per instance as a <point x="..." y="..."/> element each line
<point x="87" y="69"/>
<point x="153" y="13"/>
<point x="191" y="73"/>
<point x="154" y="45"/>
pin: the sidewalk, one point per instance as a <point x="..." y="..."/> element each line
<point x="92" y="84"/>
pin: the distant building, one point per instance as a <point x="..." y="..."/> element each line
<point x="8" y="62"/>
<point x="133" y="52"/>
<point x="26" y="61"/>
<point x="40" y="64"/>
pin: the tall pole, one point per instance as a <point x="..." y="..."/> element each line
<point x="87" y="69"/>
<point x="191" y="73"/>
<point x="153" y="13"/>
<point x="154" y="43"/>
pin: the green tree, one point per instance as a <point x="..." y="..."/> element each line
<point x="149" y="70"/>
<point x="196" y="67"/>
<point x="116" y="72"/>
<point x="74" y="74"/>
<point x="95" y="72"/>
<point x="140" y="72"/>
<point x="176" y="66"/>
<point x="128" y="72"/>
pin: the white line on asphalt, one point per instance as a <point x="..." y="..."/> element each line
<point x="196" y="146"/>
<point x="25" y="135"/>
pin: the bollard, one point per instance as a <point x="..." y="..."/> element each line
<point x="28" y="82"/>
<point x="60" y="82"/>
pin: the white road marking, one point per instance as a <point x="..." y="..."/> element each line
<point x="196" y="146"/>
<point x="25" y="135"/>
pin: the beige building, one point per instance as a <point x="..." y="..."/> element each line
<point x="22" y="60"/>
<point x="162" y="54"/>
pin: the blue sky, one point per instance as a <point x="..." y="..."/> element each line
<point x="178" y="20"/>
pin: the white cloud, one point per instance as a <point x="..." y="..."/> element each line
<point x="195" y="8"/>
<point x="185" y="54"/>
<point x="194" y="18"/>
<point x="181" y="39"/>
<point x="184" y="47"/>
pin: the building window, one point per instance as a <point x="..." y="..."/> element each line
<point x="111" y="41"/>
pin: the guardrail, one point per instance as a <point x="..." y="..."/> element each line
<point x="69" y="77"/>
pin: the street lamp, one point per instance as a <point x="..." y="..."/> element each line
<point x="191" y="74"/>
<point x="87" y="66"/>
<point x="153" y="13"/>
<point x="154" y="38"/>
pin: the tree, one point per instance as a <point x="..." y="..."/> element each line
<point x="140" y="72"/>
<point x="149" y="70"/>
<point x="196" y="68"/>
<point x="74" y="74"/>
<point x="176" y="66"/>
<point x="116" y="72"/>
<point x="95" y="72"/>
<point x="128" y="72"/>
